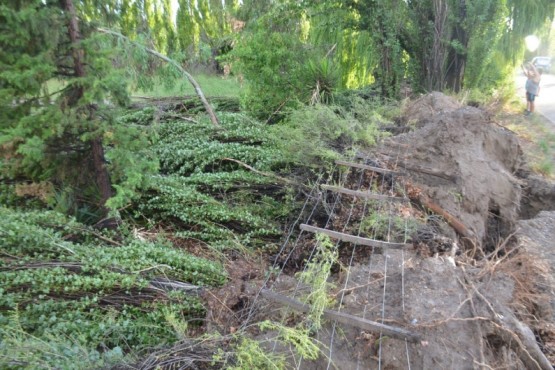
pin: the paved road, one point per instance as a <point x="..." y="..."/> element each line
<point x="545" y="103"/>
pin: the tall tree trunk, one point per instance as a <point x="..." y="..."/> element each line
<point x="456" y="57"/>
<point x="436" y="63"/>
<point x="97" y="150"/>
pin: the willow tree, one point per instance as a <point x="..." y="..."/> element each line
<point x="203" y="26"/>
<point x="438" y="44"/>
<point x="525" y="17"/>
<point x="150" y="19"/>
<point x="334" y="28"/>
<point x="470" y="43"/>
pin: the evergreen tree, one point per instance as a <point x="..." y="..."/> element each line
<point x="58" y="134"/>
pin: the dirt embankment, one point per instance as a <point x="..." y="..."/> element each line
<point x="480" y="158"/>
<point x="485" y="300"/>
<point x="489" y="306"/>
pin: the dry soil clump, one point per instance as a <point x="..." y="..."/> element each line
<point x="474" y="310"/>
<point x="478" y="160"/>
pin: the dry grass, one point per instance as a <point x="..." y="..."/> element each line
<point x="42" y="190"/>
<point x="537" y="138"/>
<point x="529" y="274"/>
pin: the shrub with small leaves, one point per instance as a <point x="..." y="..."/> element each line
<point x="60" y="281"/>
<point x="204" y="192"/>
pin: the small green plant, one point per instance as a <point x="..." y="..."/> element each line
<point x="316" y="275"/>
<point x="387" y="227"/>
<point x="250" y="355"/>
<point x="317" y="135"/>
<point x="322" y="78"/>
<point x="297" y="337"/>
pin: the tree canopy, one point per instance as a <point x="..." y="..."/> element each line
<point x="60" y="79"/>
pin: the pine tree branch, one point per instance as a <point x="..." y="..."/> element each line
<point x="190" y="78"/>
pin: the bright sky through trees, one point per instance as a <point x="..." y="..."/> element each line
<point x="532" y="43"/>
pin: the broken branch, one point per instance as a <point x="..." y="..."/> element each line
<point x="267" y="174"/>
<point x="190" y="78"/>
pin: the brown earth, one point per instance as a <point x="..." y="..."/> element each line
<point x="489" y="306"/>
<point x="485" y="300"/>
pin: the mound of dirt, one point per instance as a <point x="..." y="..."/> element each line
<point x="421" y="110"/>
<point x="478" y="159"/>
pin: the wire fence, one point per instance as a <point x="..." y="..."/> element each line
<point x="351" y="213"/>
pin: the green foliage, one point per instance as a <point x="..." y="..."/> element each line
<point x="52" y="135"/>
<point x="487" y="65"/>
<point x="207" y="196"/>
<point x="297" y="338"/>
<point x="334" y="26"/>
<point x="130" y="161"/>
<point x="250" y="355"/>
<point x="86" y="293"/>
<point x="364" y="40"/>
<point x="384" y="226"/>
<point x="185" y="148"/>
<point x="317" y="135"/>
<point x="45" y="241"/>
<point x="271" y="56"/>
<point x="33" y="352"/>
<point x="201" y="26"/>
<point x="316" y="275"/>
<point x="322" y="79"/>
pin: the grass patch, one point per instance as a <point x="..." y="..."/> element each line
<point x="537" y="136"/>
<point x="211" y="85"/>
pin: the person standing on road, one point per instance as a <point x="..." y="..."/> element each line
<point x="532" y="86"/>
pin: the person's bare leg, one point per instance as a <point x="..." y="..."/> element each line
<point x="531" y="109"/>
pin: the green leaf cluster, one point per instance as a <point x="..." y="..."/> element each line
<point x="250" y="355"/>
<point x="52" y="114"/>
<point x="205" y="195"/>
<point x="384" y="226"/>
<point x="61" y="280"/>
<point x="317" y="135"/>
<point x="271" y="56"/>
<point x="316" y="275"/>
